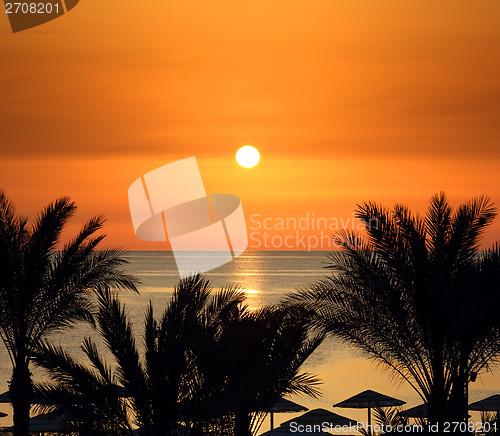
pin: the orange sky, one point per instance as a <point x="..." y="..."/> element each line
<point x="346" y="100"/>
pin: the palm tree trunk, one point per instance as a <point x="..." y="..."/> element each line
<point x="458" y="397"/>
<point x="437" y="412"/>
<point x="438" y="396"/>
<point x="21" y="391"/>
<point x="242" y="422"/>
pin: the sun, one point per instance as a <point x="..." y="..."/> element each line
<point x="247" y="156"/>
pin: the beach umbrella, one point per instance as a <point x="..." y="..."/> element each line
<point x="285" y="406"/>
<point x="45" y="423"/>
<point x="5" y="397"/>
<point x="420" y="411"/>
<point x="489" y="404"/>
<point x="181" y="430"/>
<point x="283" y="431"/>
<point x="368" y="400"/>
<point x="318" y="417"/>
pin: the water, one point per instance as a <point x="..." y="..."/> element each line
<point x="266" y="278"/>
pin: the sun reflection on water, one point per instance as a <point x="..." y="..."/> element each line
<point x="253" y="299"/>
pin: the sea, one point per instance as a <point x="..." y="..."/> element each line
<point x="266" y="277"/>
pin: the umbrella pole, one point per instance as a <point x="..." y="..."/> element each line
<point x="272" y="420"/>
<point x="369" y="420"/>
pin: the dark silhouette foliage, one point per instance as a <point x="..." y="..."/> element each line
<point x="417" y="295"/>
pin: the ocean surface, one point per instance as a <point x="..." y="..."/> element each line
<point x="267" y="277"/>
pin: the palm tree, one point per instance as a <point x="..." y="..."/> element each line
<point x="156" y="384"/>
<point x="194" y="367"/>
<point x="90" y="399"/>
<point x="388" y="420"/>
<point x="43" y="290"/>
<point x="247" y="363"/>
<point x="417" y="295"/>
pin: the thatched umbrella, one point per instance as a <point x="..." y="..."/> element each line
<point x="180" y="430"/>
<point x="44" y="423"/>
<point x="368" y="400"/>
<point x="318" y="417"/>
<point x="420" y="411"/>
<point x="285" y="431"/>
<point x="5" y="397"/>
<point x="285" y="406"/>
<point x="489" y="404"/>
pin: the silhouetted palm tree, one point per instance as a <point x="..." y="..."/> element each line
<point x="387" y="420"/>
<point x="43" y="290"/>
<point x="197" y="366"/>
<point x="417" y="295"/>
<point x="153" y="382"/>
<point x="89" y="398"/>
<point x="247" y="363"/>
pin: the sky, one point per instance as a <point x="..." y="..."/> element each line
<point x="346" y="100"/>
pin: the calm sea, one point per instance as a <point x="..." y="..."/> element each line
<point x="266" y="277"/>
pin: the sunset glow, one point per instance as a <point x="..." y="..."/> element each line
<point x="304" y="195"/>
<point x="348" y="101"/>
